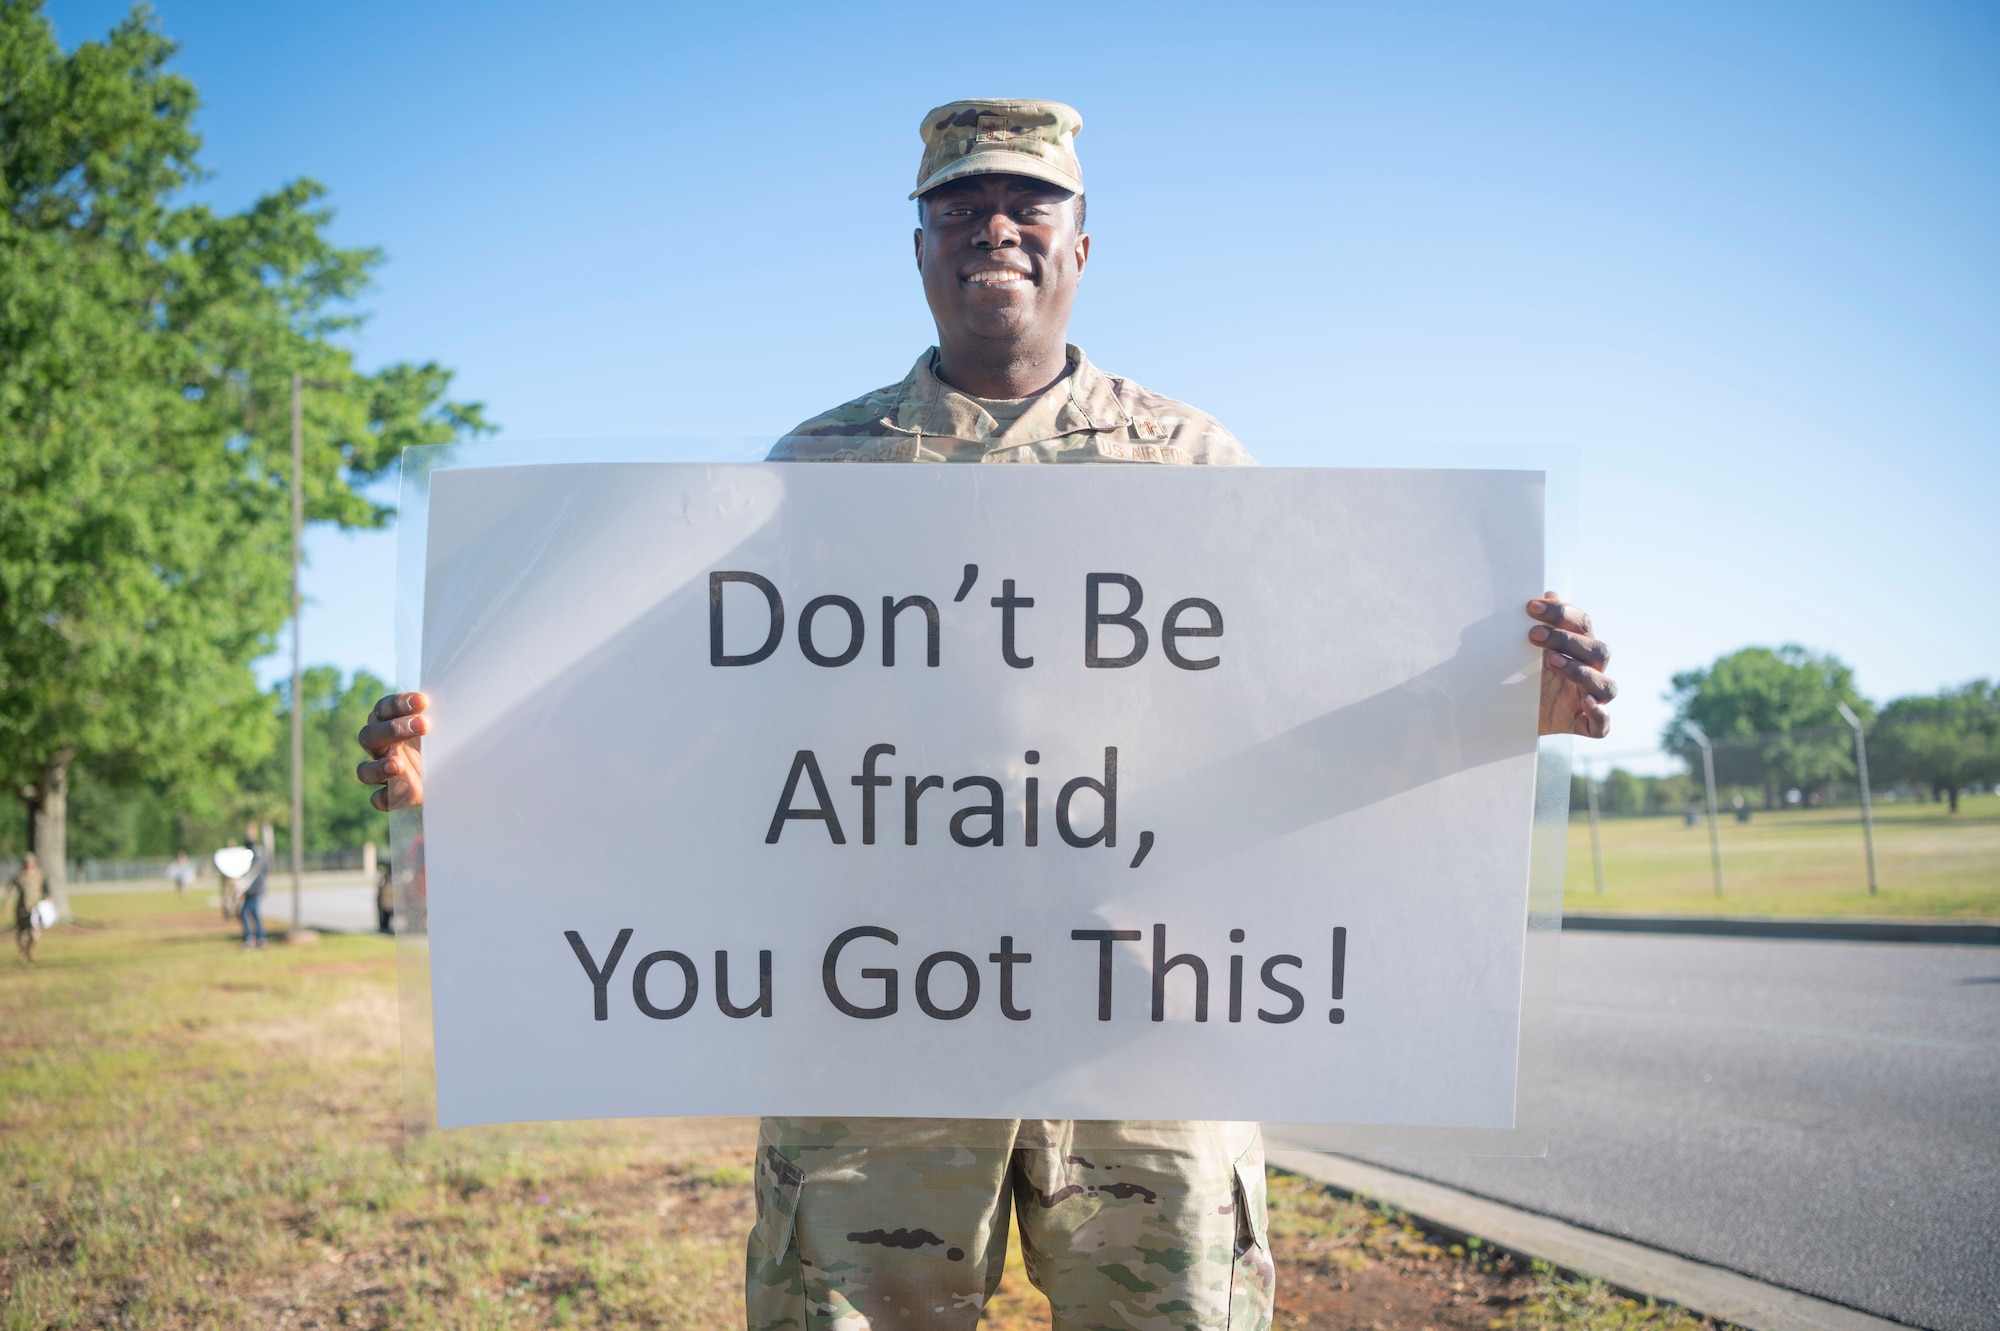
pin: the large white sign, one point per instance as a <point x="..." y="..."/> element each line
<point x="1042" y="792"/>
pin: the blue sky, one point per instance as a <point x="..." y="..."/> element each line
<point x="1740" y="255"/>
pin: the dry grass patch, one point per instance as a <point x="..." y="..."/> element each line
<point x="192" y="1136"/>
<point x="196" y="1136"/>
<point x="1348" y="1265"/>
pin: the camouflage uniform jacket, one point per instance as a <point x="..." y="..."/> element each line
<point x="29" y="888"/>
<point x="1085" y="416"/>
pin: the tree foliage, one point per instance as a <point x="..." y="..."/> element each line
<point x="147" y="346"/>
<point x="1620" y="792"/>
<point x="154" y="818"/>
<point x="337" y="812"/>
<point x="1945" y="742"/>
<point x="1772" y="715"/>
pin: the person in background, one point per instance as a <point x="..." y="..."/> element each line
<point x="251" y="913"/>
<point x="181" y="873"/>
<point x="385" y="899"/>
<point x="29" y="888"/>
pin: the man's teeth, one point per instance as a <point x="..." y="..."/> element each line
<point x="997" y="275"/>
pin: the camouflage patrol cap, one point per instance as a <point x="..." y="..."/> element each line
<point x="988" y="137"/>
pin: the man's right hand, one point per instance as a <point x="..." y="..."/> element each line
<point x="393" y="741"/>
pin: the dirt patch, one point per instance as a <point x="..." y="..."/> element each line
<point x="339" y="968"/>
<point x="208" y="921"/>
<point x="1331" y="1285"/>
<point x="198" y="1137"/>
<point x="1346" y="1265"/>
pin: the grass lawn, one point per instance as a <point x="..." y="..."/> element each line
<point x="1931" y="864"/>
<point x="195" y="1136"/>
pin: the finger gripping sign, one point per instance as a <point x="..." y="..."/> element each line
<point x="1066" y="793"/>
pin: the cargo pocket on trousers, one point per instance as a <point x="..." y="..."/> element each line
<point x="779" y="1182"/>
<point x="1251" y="1223"/>
<point x="1253" y="1277"/>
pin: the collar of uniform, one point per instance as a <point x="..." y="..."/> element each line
<point x="1083" y="399"/>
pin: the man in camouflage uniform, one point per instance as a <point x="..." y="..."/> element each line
<point x="28" y="888"/>
<point x="880" y="1223"/>
<point x="903" y="1222"/>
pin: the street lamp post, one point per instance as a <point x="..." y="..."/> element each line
<point x="1695" y="733"/>
<point x="1867" y="799"/>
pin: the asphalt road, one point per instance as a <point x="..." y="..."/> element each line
<point x="347" y="909"/>
<point x="338" y="903"/>
<point x="1823" y="1116"/>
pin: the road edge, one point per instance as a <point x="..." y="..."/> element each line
<point x="1713" y="1291"/>
<point x="1861" y="930"/>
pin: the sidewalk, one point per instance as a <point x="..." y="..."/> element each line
<point x="340" y="901"/>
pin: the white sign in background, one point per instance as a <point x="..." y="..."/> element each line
<point x="1343" y="799"/>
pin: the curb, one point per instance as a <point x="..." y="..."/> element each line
<point x="1633" y="1268"/>
<point x="1766" y="926"/>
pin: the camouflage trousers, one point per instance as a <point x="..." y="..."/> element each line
<point x="869" y="1224"/>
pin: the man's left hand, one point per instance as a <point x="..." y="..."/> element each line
<point x="1574" y="685"/>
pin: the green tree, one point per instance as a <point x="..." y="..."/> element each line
<point x="116" y="821"/>
<point x="147" y="347"/>
<point x="1665" y="793"/>
<point x="1623" y="792"/>
<point x="337" y="812"/>
<point x="1772" y="716"/>
<point x="111" y="820"/>
<point x="1943" y="743"/>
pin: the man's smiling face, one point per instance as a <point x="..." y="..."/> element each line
<point x="1000" y="257"/>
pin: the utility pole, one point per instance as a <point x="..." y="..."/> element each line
<point x="298" y="673"/>
<point x="1596" y="847"/>
<point x="1695" y="733"/>
<point x="1867" y="799"/>
<point x="299" y="386"/>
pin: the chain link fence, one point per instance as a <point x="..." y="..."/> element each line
<point x="1793" y="820"/>
<point x="1815" y="768"/>
<point x="348" y="858"/>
